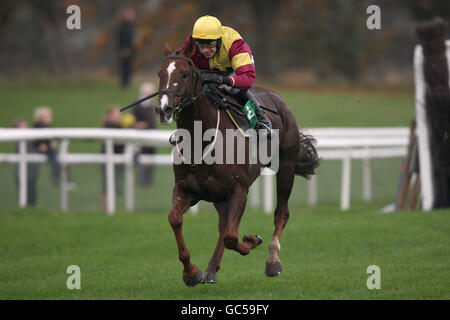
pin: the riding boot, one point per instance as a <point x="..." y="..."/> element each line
<point x="263" y="122"/>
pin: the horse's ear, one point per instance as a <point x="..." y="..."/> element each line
<point x="167" y="49"/>
<point x="189" y="50"/>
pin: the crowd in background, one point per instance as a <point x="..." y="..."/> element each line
<point x="142" y="117"/>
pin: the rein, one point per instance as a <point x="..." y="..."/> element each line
<point x="139" y="101"/>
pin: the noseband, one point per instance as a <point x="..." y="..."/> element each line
<point x="186" y="98"/>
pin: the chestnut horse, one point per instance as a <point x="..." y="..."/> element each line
<point x="182" y="95"/>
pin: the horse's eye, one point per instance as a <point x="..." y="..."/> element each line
<point x="184" y="75"/>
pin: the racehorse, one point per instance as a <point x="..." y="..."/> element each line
<point x="182" y="96"/>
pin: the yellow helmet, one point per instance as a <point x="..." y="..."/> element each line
<point x="207" y="28"/>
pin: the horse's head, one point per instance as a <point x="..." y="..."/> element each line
<point x="177" y="82"/>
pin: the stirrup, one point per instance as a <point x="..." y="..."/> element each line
<point x="172" y="140"/>
<point x="264" y="129"/>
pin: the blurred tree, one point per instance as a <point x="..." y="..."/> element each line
<point x="327" y="37"/>
<point x="52" y="18"/>
<point x="7" y="11"/>
<point x="265" y="17"/>
<point x="428" y="9"/>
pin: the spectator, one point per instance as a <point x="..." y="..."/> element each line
<point x="145" y="119"/>
<point x="125" y="42"/>
<point x="32" y="170"/>
<point x="20" y="124"/>
<point x="43" y="118"/>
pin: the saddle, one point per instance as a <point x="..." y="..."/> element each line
<point x="232" y="105"/>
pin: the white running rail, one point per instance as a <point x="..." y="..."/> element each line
<point x="343" y="144"/>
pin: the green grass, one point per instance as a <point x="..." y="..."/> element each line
<point x="350" y="109"/>
<point x="325" y="254"/>
<point x="87" y="196"/>
<point x="84" y="104"/>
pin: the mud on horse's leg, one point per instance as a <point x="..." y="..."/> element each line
<point x="236" y="208"/>
<point x="181" y="203"/>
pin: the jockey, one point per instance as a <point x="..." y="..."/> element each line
<point x="222" y="48"/>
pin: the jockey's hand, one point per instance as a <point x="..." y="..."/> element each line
<point x="215" y="78"/>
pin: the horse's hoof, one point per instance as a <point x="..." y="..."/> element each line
<point x="273" y="270"/>
<point x="192" y="281"/>
<point x="255" y="240"/>
<point x="209" y="277"/>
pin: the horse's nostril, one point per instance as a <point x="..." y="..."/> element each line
<point x="159" y="112"/>
<point x="168" y="112"/>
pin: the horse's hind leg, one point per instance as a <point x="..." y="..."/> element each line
<point x="181" y="203"/>
<point x="285" y="181"/>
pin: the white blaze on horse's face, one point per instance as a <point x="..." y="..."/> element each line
<point x="171" y="68"/>
<point x="164" y="102"/>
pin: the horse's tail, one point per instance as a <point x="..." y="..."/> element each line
<point x="307" y="158"/>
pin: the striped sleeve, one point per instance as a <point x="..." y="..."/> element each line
<point x="241" y="60"/>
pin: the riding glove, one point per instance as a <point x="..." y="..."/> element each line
<point x="215" y="78"/>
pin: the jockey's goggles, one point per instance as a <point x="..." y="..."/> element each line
<point x="209" y="44"/>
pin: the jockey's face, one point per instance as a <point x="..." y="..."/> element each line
<point x="208" y="50"/>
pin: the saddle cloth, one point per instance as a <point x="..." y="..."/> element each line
<point x="233" y="107"/>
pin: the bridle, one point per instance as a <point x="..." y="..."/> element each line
<point x="186" y="98"/>
<point x="189" y="97"/>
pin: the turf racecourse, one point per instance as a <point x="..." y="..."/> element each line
<point x="325" y="254"/>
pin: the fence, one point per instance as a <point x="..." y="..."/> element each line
<point x="342" y="144"/>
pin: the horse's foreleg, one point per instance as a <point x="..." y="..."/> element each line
<point x="181" y="203"/>
<point x="209" y="276"/>
<point x="285" y="181"/>
<point x="236" y="208"/>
